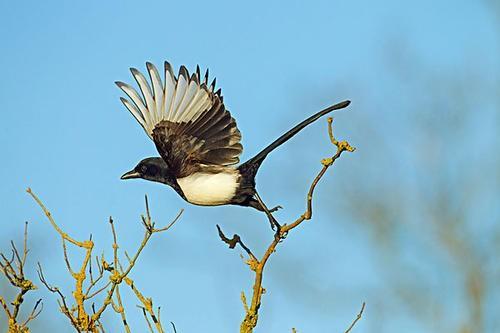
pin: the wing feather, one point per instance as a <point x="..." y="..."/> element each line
<point x="170" y="84"/>
<point x="135" y="111"/>
<point x="180" y="92"/>
<point x="148" y="97"/>
<point x="187" y="121"/>
<point x="138" y="102"/>
<point x="191" y="91"/>
<point x="157" y="90"/>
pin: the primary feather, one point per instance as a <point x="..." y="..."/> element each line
<point x="187" y="121"/>
<point x="177" y="99"/>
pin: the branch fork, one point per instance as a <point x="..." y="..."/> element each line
<point x="280" y="233"/>
<point x="77" y="313"/>
<point x="13" y="269"/>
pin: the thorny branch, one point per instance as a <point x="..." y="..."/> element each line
<point x="77" y="313"/>
<point x="13" y="269"/>
<point x="281" y="232"/>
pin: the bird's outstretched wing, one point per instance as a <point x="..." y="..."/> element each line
<point x="185" y="118"/>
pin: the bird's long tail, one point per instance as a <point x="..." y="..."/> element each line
<point x="255" y="161"/>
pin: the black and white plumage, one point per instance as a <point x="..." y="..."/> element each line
<point x="197" y="138"/>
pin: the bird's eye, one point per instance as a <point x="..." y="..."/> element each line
<point x="144" y="169"/>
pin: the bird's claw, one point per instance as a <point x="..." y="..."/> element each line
<point x="275" y="226"/>
<point x="274" y="209"/>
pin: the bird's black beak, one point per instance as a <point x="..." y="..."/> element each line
<point x="131" y="174"/>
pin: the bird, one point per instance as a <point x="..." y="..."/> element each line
<point x="196" y="137"/>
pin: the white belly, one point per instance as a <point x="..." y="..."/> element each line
<point x="208" y="189"/>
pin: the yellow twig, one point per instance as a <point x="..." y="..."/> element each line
<point x="121" y="310"/>
<point x="147" y="305"/>
<point x="256" y="265"/>
<point x="80" y="319"/>
<point x="13" y="270"/>
<point x="85" y="244"/>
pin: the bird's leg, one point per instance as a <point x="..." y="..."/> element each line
<point x="272" y="220"/>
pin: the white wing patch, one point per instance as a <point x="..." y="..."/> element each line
<point x="208" y="189"/>
<point x="176" y="99"/>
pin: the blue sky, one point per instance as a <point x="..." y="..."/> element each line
<point x="65" y="134"/>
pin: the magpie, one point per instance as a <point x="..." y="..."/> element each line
<point x="196" y="137"/>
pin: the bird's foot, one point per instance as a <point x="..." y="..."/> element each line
<point x="262" y="207"/>
<point x="275" y="226"/>
<point x="274" y="223"/>
<point x="275" y="209"/>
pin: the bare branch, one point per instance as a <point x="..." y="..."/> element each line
<point x="147" y="305"/>
<point x="34" y="313"/>
<point x="358" y="317"/>
<point x="232" y="242"/>
<point x="66" y="260"/>
<point x="146" y="318"/>
<point x="62" y="303"/>
<point x="121" y="310"/>
<point x="281" y="232"/>
<point x="85" y="245"/>
<point x="79" y="317"/>
<point x="5" y="307"/>
<point x="13" y="270"/>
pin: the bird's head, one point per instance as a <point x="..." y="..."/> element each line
<point x="152" y="168"/>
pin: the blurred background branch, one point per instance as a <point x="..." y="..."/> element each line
<point x="431" y="215"/>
